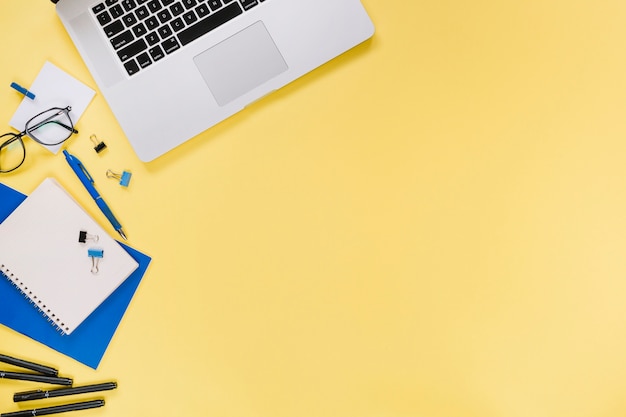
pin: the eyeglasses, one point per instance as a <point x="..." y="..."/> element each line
<point x="49" y="128"/>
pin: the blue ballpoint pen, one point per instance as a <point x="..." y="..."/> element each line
<point x="84" y="177"/>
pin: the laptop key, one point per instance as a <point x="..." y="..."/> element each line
<point x="152" y="22"/>
<point x="104" y="18"/>
<point x="131" y="67"/>
<point x="190" y="17"/>
<point x="170" y="45"/>
<point x="129" y="19"/>
<point x="122" y="39"/>
<point x="248" y="4"/>
<point x="128" y="5"/>
<point x="133" y="49"/>
<point x="209" y="23"/>
<point x="215" y="4"/>
<point x="177" y="24"/>
<point x="116" y="11"/>
<point x="152" y="38"/>
<point x="98" y="8"/>
<point x="202" y="10"/>
<point x="156" y="53"/>
<point x="177" y="8"/>
<point x="154" y="6"/>
<point x="142" y="12"/>
<point x="164" y="16"/>
<point x="165" y="31"/>
<point x="139" y="30"/>
<point x="113" y="28"/>
<point x="143" y="60"/>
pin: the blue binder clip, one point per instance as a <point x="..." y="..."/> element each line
<point x="124" y="178"/>
<point x="95" y="254"/>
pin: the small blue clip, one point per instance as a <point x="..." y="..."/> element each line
<point x="95" y="254"/>
<point x="23" y="91"/>
<point x="124" y="179"/>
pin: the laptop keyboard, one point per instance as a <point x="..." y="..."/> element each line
<point x="144" y="31"/>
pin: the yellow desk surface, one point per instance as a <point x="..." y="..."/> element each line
<point x="431" y="225"/>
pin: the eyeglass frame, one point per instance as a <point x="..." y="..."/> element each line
<point x="26" y="132"/>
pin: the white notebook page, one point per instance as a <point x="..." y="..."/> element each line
<point x="41" y="254"/>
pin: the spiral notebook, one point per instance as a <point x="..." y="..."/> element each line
<point x="42" y="256"/>
<point x="89" y="343"/>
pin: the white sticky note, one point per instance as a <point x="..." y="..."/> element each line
<point x="53" y="87"/>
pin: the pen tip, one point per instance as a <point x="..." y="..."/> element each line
<point x="121" y="232"/>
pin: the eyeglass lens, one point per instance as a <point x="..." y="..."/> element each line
<point x="12" y="152"/>
<point x="51" y="127"/>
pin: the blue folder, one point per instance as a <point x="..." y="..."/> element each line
<point x="88" y="343"/>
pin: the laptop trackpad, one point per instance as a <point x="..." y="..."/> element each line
<point x="240" y="63"/>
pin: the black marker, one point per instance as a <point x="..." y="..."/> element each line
<point x="59" y="392"/>
<point x="56" y="409"/>
<point x="36" y="378"/>
<point x="42" y="369"/>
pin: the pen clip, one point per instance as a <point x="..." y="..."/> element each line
<point x="82" y="168"/>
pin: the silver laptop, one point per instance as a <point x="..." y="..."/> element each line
<point x="170" y="69"/>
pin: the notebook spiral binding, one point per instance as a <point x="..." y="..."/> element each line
<point x="39" y="304"/>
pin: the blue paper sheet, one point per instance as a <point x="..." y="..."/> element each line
<point x="88" y="343"/>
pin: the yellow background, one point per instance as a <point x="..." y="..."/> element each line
<point x="431" y="225"/>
